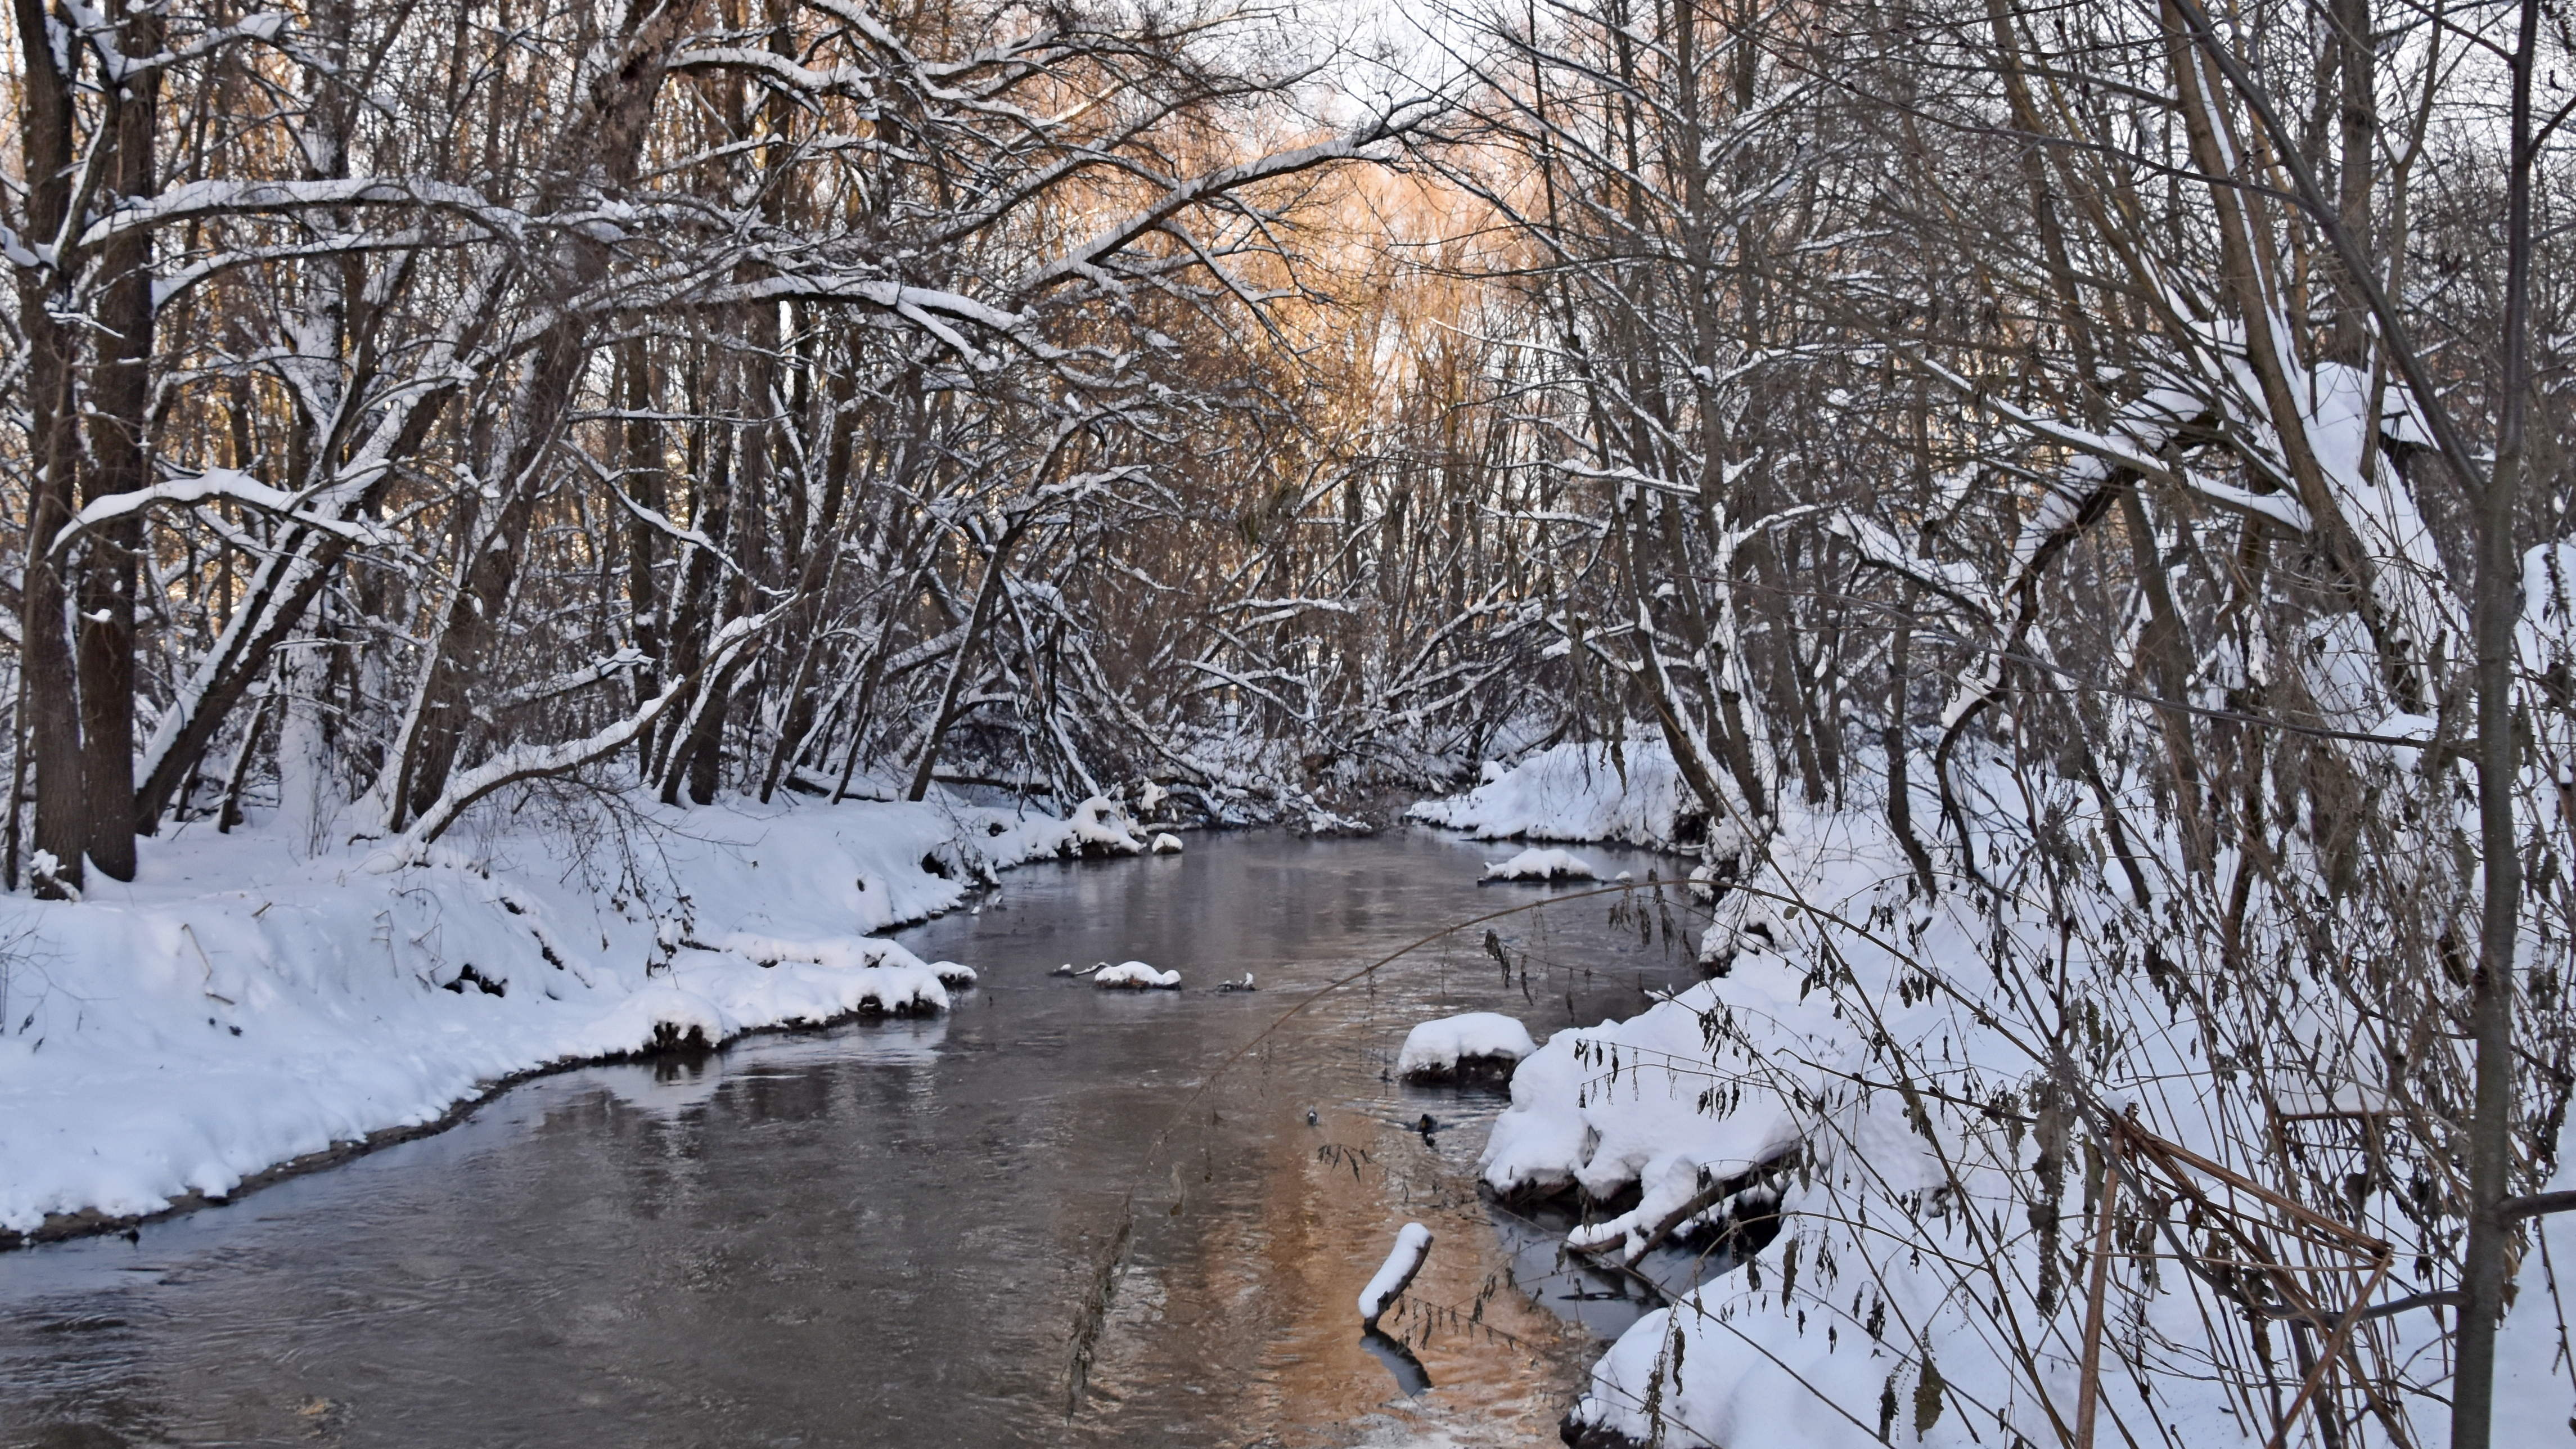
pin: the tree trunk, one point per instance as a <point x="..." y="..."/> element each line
<point x="52" y="703"/>
<point x="1898" y="742"/>
<point x="644" y="483"/>
<point x="2357" y="117"/>
<point x="822" y="551"/>
<point x="121" y="400"/>
<point x="2484" y="1274"/>
<point x="489" y="571"/>
<point x="994" y="572"/>
<point x="695" y="621"/>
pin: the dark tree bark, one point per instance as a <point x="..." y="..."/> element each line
<point x="52" y="703"/>
<point x="695" y="621"/>
<point x="120" y="399"/>
<point x="2485" y="1273"/>
<point x="490" y="569"/>
<point x="644" y="482"/>
<point x="2356" y="164"/>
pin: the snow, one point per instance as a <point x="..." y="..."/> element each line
<point x="2533" y="1404"/>
<point x="219" y="483"/>
<point x="1438" y="1048"/>
<point x="1766" y="1090"/>
<point x="248" y="1001"/>
<point x="1101" y="826"/>
<point x="1575" y="792"/>
<point x="1136" y="976"/>
<point x="1166" y="843"/>
<point x="1541" y="865"/>
<point x="1645" y="1126"/>
<point x="1412" y="1245"/>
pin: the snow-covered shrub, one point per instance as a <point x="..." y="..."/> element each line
<point x="1101" y="826"/>
<point x="1577" y="792"/>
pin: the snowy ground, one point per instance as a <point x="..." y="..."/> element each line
<point x="244" y="1004"/>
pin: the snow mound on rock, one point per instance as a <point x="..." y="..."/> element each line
<point x="1441" y="1049"/>
<point x="1620" y="1104"/>
<point x="1542" y="865"/>
<point x="1136" y="976"/>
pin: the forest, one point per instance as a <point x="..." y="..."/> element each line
<point x="2077" y="497"/>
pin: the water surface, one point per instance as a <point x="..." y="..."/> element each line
<point x="887" y="1234"/>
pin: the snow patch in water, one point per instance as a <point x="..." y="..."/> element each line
<point x="1437" y="1049"/>
<point x="1136" y="976"/>
<point x="1542" y="865"/>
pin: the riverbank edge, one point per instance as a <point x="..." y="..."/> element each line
<point x="91" y="1223"/>
<point x="134" y="1094"/>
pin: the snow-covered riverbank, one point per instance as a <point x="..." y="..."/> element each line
<point x="1873" y="1065"/>
<point x="245" y="1004"/>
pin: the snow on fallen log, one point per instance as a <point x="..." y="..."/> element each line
<point x="1541" y="865"/>
<point x="1136" y="976"/>
<point x="1412" y="1245"/>
<point x="1474" y="1044"/>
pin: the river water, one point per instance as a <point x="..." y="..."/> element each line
<point x="900" y="1233"/>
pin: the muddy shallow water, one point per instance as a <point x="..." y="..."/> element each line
<point x="890" y="1234"/>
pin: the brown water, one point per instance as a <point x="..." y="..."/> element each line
<point x="887" y="1234"/>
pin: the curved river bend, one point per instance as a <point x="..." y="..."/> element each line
<point x="886" y="1234"/>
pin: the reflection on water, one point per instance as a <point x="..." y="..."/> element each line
<point x="1604" y="1298"/>
<point x="1409" y="1373"/>
<point x="885" y="1234"/>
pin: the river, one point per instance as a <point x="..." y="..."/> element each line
<point x="893" y="1233"/>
